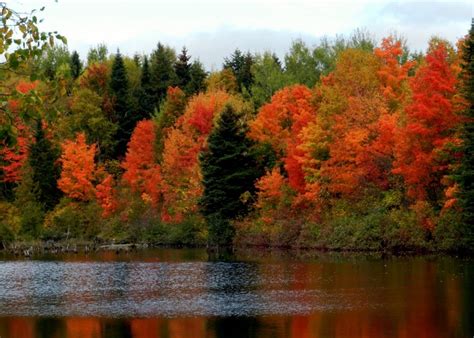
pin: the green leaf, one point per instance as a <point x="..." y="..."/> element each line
<point x="13" y="61"/>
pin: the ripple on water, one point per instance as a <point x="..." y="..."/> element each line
<point x="125" y="289"/>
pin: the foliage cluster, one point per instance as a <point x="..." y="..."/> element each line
<point x="344" y="145"/>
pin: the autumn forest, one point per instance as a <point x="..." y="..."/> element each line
<point x="348" y="144"/>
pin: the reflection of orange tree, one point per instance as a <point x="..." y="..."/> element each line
<point x="187" y="328"/>
<point x="83" y="328"/>
<point x="19" y="328"/>
<point x="415" y="304"/>
<point x="176" y="328"/>
<point x="146" y="327"/>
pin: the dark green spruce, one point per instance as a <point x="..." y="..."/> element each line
<point x="75" y="65"/>
<point x="229" y="173"/>
<point x="119" y="90"/>
<point x="241" y="65"/>
<point x="146" y="100"/>
<point x="197" y="82"/>
<point x="182" y="68"/>
<point x="162" y="70"/>
<point x="465" y="175"/>
<point x="43" y="161"/>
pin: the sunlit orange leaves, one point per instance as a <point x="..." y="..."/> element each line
<point x="78" y="168"/>
<point x="13" y="157"/>
<point x="270" y="189"/>
<point x="280" y="122"/>
<point x="393" y="74"/>
<point x="25" y="87"/>
<point x="142" y="173"/>
<point x="429" y="128"/>
<point x="105" y="195"/>
<point x="95" y="78"/>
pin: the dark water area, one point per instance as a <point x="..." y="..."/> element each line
<point x="171" y="293"/>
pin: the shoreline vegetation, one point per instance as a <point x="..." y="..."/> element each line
<point x="38" y="248"/>
<point x="350" y="144"/>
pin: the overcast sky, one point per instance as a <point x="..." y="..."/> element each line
<point x="212" y="29"/>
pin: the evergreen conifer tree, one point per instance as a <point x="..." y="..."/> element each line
<point x="27" y="196"/>
<point x="229" y="170"/>
<point x="146" y="100"/>
<point x="119" y="89"/>
<point x="241" y="65"/>
<point x="162" y="71"/>
<point x="43" y="157"/>
<point x="183" y="69"/>
<point x="465" y="175"/>
<point x="197" y="82"/>
<point x="75" y="65"/>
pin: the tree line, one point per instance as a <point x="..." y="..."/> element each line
<point x="348" y="144"/>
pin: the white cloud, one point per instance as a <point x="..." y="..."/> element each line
<point x="213" y="28"/>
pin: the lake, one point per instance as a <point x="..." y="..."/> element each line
<point x="171" y="293"/>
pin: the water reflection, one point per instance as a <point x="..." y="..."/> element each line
<point x="170" y="294"/>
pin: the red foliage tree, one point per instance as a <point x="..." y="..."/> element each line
<point x="105" y="195"/>
<point x="280" y="122"/>
<point x="12" y="158"/>
<point x="24" y="87"/>
<point x="78" y="168"/>
<point x="95" y="78"/>
<point x="429" y="129"/>
<point x="142" y="173"/>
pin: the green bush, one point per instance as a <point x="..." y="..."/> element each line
<point x="10" y="222"/>
<point x="448" y="232"/>
<point x="32" y="216"/>
<point x="71" y="219"/>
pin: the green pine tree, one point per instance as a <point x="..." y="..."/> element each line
<point x="229" y="171"/>
<point x="43" y="159"/>
<point x="75" y="65"/>
<point x="27" y="196"/>
<point x="197" y="82"/>
<point x="119" y="89"/>
<point x="465" y="175"/>
<point x="241" y="66"/>
<point x="182" y="69"/>
<point x="146" y="99"/>
<point x="162" y="71"/>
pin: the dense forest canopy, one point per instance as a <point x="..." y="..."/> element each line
<point x="351" y="143"/>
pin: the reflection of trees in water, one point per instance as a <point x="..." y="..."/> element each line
<point x="228" y="279"/>
<point x="396" y="297"/>
<point x="467" y="296"/>
<point x="234" y="327"/>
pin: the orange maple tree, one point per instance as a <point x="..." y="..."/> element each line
<point x="12" y="158"/>
<point x="78" y="168"/>
<point x="142" y="173"/>
<point x="105" y="195"/>
<point x="280" y="122"/>
<point x="429" y="128"/>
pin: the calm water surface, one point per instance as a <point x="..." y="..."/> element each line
<point x="185" y="293"/>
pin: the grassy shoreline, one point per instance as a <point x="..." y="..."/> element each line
<point x="39" y="247"/>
